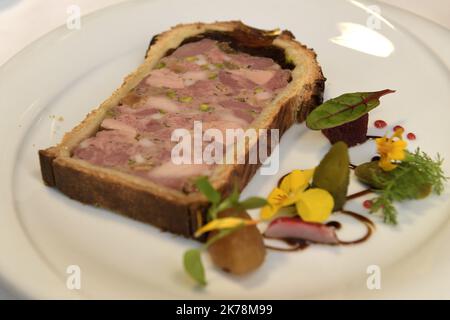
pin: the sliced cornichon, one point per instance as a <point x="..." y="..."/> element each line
<point x="345" y="108"/>
<point x="333" y="174"/>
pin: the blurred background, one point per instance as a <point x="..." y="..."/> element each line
<point x="23" y="21"/>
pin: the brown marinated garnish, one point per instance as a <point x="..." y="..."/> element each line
<point x="241" y="251"/>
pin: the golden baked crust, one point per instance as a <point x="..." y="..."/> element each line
<point x="163" y="207"/>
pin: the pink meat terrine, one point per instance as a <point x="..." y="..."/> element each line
<point x="203" y="81"/>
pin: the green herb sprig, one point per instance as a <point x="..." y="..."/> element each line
<point x="416" y="176"/>
<point x="192" y="260"/>
<point x="232" y="201"/>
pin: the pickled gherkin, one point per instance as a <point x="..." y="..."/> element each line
<point x="367" y="172"/>
<point x="333" y="174"/>
<point x="373" y="176"/>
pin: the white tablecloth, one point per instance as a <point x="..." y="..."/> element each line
<point x="23" y="21"/>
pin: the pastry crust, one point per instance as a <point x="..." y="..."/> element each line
<point x="166" y="208"/>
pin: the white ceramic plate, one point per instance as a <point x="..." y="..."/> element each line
<point x="68" y="73"/>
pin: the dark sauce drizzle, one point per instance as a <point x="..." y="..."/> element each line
<point x="281" y="179"/>
<point x="370" y="226"/>
<point x="294" y="244"/>
<point x="376" y="158"/>
<point x="359" y="194"/>
<point x="334" y="224"/>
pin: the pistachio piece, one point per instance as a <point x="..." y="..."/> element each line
<point x="204" y="107"/>
<point x="185" y="99"/>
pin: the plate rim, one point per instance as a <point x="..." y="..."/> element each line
<point x="53" y="34"/>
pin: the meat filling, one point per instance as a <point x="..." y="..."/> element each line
<point x="200" y="81"/>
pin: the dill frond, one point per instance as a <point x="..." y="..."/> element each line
<point x="414" y="178"/>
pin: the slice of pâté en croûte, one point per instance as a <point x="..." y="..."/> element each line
<point x="224" y="74"/>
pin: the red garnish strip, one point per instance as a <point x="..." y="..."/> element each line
<point x="295" y="228"/>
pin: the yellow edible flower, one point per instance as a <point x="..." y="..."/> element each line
<point x="224" y="223"/>
<point x="391" y="149"/>
<point x="313" y="205"/>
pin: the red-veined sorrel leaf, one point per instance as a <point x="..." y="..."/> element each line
<point x="345" y="108"/>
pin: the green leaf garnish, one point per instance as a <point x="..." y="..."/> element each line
<point x="192" y="259"/>
<point x="224" y="205"/>
<point x="229" y="202"/>
<point x="234" y="196"/>
<point x="220" y="234"/>
<point x="193" y="265"/>
<point x="232" y="201"/>
<point x="253" y="203"/>
<point x="345" y="108"/>
<point x="208" y="190"/>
